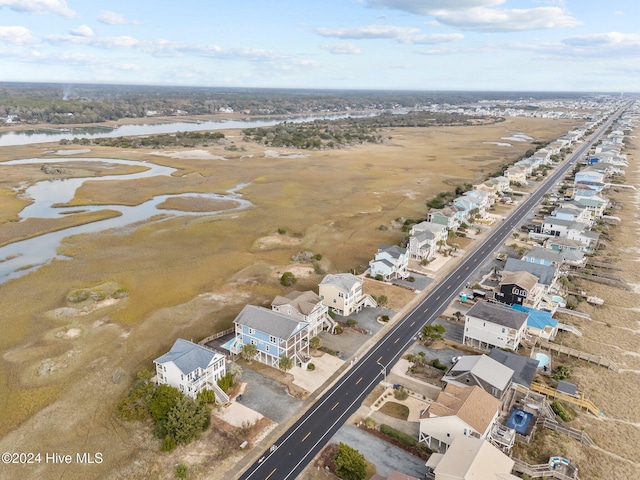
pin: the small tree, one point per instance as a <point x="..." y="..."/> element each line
<point x="285" y="363"/>
<point x="249" y="351"/>
<point x="382" y="300"/>
<point x="186" y="420"/>
<point x="316" y="343"/>
<point x="206" y="396"/>
<point x="350" y="463"/>
<point x="288" y="279"/>
<point x="432" y="332"/>
<point x="164" y="399"/>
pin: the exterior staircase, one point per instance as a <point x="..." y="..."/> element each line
<point x="579" y="401"/>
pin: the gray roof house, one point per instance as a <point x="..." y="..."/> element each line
<point x="546" y="274"/>
<point x="524" y="368"/>
<point x="480" y="370"/>
<point x="191" y="368"/>
<point x="488" y="325"/>
<point x="274" y="334"/>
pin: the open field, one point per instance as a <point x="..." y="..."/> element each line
<point x="190" y="276"/>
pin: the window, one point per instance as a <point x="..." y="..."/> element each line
<point x="272" y="339"/>
<point x="253" y="342"/>
<point x="503" y="330"/>
<point x="341" y="295"/>
<point x="448" y="434"/>
<point x="252" y="331"/>
<point x="181" y="377"/>
<point x="266" y="348"/>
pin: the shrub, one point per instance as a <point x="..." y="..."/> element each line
<point x="182" y="471"/>
<point x="436" y="363"/>
<point x="351" y="322"/>
<point x="350" y="463"/>
<point x="288" y="279"/>
<point x="379" y="277"/>
<point x="226" y="382"/>
<point x="78" y="296"/>
<point x="120" y="293"/>
<point x="206" y="396"/>
<point x="317" y="257"/>
<point x="282" y="230"/>
<point x="402" y="437"/>
<point x="565" y="412"/>
<point x="562" y="372"/>
<point x="384" y="318"/>
<point x="311" y="367"/>
<point x="401" y="394"/>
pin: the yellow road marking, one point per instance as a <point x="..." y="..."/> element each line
<point x="359" y="380"/>
<point x="334" y="407"/>
<point x="426" y="310"/>
<point x="379" y="358"/>
<point x="438" y="297"/>
<point x="449" y="287"/>
<point x="413" y="323"/>
<point x="306" y="436"/>
<point x="269" y="476"/>
<point x="397" y="340"/>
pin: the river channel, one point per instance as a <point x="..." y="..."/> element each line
<point x="27" y="137"/>
<point x="49" y="196"/>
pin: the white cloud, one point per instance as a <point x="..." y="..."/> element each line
<point x="604" y="44"/>
<point x="480" y="15"/>
<point x="82" y="31"/>
<point x="15" y="35"/>
<point x="425" y="7"/>
<point x="56" y="7"/>
<point x="100" y="42"/>
<point x="506" y="20"/>
<point x="368" y="32"/>
<point x="113" y="18"/>
<point x="345" y="48"/>
<point x="619" y="12"/>
<point x="433" y="39"/>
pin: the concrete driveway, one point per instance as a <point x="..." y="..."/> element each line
<point x="326" y="365"/>
<point x="386" y="457"/>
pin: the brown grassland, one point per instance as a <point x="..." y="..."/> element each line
<point x="189" y="276"/>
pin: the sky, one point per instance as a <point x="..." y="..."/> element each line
<point x="486" y="45"/>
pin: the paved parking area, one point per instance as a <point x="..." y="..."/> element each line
<point x="268" y="397"/>
<point x="386" y="457"/>
<point x="420" y="282"/>
<point x="349" y="341"/>
<point x="444" y="355"/>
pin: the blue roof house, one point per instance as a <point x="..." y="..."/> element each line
<point x="539" y="323"/>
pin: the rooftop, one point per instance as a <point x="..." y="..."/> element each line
<point x="188" y="356"/>
<point x="498" y="314"/>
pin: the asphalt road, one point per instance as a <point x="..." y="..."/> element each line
<point x="289" y="455"/>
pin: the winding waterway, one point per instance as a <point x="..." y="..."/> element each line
<point x="27" y="137"/>
<point x="22" y="257"/>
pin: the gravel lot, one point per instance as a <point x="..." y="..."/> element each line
<point x="386" y="457"/>
<point x="268" y="397"/>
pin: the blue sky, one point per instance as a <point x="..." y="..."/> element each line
<point x="541" y="45"/>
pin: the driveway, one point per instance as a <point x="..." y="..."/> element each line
<point x="420" y="281"/>
<point x="386" y="457"/>
<point x="268" y="397"/>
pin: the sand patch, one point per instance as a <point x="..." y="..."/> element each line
<point x="274" y="154"/>
<point x="191" y="155"/>
<point x="72" y="152"/>
<point x="299" y="270"/>
<point x="265" y="243"/>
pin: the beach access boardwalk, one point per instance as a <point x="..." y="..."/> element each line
<point x="579" y="401"/>
<point x="579" y="354"/>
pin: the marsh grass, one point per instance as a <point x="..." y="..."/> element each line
<point x="182" y="273"/>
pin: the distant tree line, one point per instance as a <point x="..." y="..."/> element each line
<point x="167" y="140"/>
<point x="85" y="103"/>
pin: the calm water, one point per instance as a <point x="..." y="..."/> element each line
<point x="20" y="258"/>
<point x="26" y="137"/>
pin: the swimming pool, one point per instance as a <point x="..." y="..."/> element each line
<point x="543" y="359"/>
<point x="519" y="420"/>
